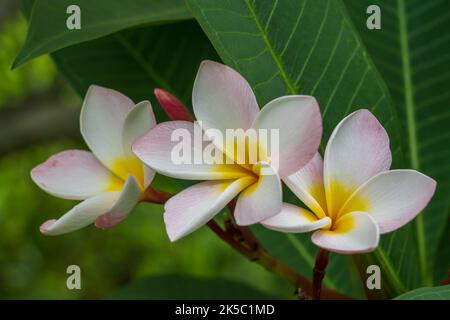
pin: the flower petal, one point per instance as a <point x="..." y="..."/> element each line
<point x="82" y="215"/>
<point x="393" y="198"/>
<point x="222" y="99"/>
<point x="357" y="150"/>
<point x="261" y="200"/>
<point x="299" y="124"/>
<point x="74" y="174"/>
<point x="128" y="198"/>
<point x="102" y="119"/>
<point x="294" y="219"/>
<point x="159" y="147"/>
<point x="354" y="232"/>
<point x="307" y="185"/>
<point x="139" y="120"/>
<point x="196" y="205"/>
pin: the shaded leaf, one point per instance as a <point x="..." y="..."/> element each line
<point x="48" y="31"/>
<point x="433" y="293"/>
<point x="182" y="287"/>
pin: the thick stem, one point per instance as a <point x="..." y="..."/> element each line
<point x="319" y="273"/>
<point x="244" y="241"/>
<point x="250" y="247"/>
<point x="156" y="196"/>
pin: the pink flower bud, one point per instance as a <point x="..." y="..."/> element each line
<point x="173" y="107"/>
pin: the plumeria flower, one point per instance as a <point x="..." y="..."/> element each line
<point x="110" y="180"/>
<point x="352" y="194"/>
<point x="222" y="99"/>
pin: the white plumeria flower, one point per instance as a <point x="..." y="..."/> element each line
<point x="111" y="180"/>
<point x="352" y="194"/>
<point x="222" y="99"/>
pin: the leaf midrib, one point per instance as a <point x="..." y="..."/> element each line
<point x="292" y="89"/>
<point x="412" y="131"/>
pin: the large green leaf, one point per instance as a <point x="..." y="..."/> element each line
<point x="48" y="31"/>
<point x="412" y="53"/>
<point x="182" y="287"/>
<point x="312" y="47"/>
<point x="433" y="293"/>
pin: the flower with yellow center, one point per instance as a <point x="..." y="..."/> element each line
<point x="110" y="180"/>
<point x="352" y="195"/>
<point x="222" y="99"/>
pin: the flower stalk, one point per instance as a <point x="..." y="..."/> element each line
<point x="319" y="273"/>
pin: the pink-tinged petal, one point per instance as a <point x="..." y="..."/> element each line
<point x="162" y="149"/>
<point x="74" y="174"/>
<point x="222" y="98"/>
<point x="128" y="198"/>
<point x="173" y="107"/>
<point x="196" y="205"/>
<point x="357" y="150"/>
<point x="354" y="232"/>
<point x="299" y="125"/>
<point x="81" y="215"/>
<point x="102" y="119"/>
<point x="393" y="198"/>
<point x="293" y="219"/>
<point x="139" y="120"/>
<point x="261" y="200"/>
<point x="307" y="185"/>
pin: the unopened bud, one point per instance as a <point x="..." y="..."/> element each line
<point x="173" y="107"/>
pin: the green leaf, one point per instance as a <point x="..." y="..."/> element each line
<point x="433" y="293"/>
<point x="48" y="31"/>
<point x="309" y="47"/>
<point x="413" y="58"/>
<point x="175" y="287"/>
<point x="138" y="60"/>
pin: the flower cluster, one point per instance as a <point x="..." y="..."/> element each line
<point x="352" y="195"/>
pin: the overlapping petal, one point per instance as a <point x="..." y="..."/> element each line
<point x="393" y="198"/>
<point x="357" y="150"/>
<point x="128" y="198"/>
<point x="261" y="200"/>
<point x="74" y="174"/>
<point x="354" y="232"/>
<point x="222" y="99"/>
<point x="82" y="215"/>
<point x="102" y="119"/>
<point x="158" y="149"/>
<point x="299" y="124"/>
<point x="195" y="206"/>
<point x="293" y="219"/>
<point x="307" y="185"/>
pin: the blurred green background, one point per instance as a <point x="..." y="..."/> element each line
<point x="39" y="117"/>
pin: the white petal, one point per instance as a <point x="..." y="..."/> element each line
<point x="299" y="125"/>
<point x="261" y="200"/>
<point x="354" y="232"/>
<point x="195" y="206"/>
<point x="74" y="174"/>
<point x="222" y="99"/>
<point x="307" y="185"/>
<point x="294" y="219"/>
<point x="161" y="151"/>
<point x="138" y="121"/>
<point x="81" y="215"/>
<point x="102" y="119"/>
<point x="357" y="150"/>
<point x="128" y="198"/>
<point x="393" y="198"/>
